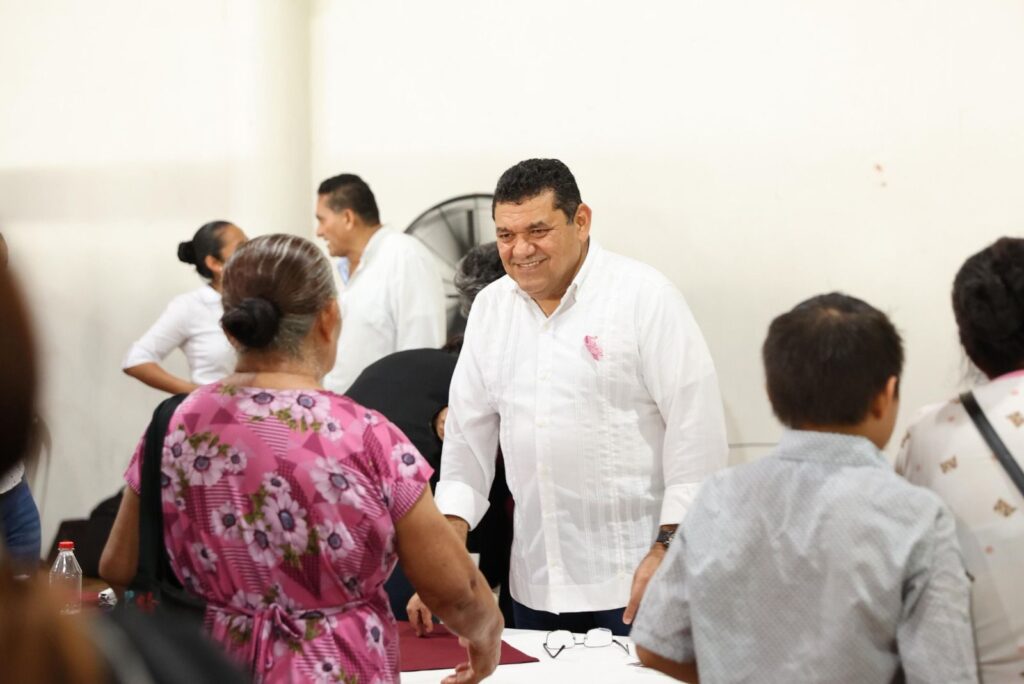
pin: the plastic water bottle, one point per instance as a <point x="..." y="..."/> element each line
<point x="66" y="579"/>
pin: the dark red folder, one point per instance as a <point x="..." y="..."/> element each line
<point x="440" y="650"/>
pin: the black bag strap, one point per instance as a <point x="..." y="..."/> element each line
<point x="153" y="562"/>
<point x="995" y="443"/>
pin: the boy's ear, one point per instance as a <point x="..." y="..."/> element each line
<point x="880" y="404"/>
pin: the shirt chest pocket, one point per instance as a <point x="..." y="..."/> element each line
<point x="605" y="364"/>
<point x="557" y="366"/>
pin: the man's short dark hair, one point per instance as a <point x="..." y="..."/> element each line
<point x="530" y="178"/>
<point x="349" y="191"/>
<point x="827" y="359"/>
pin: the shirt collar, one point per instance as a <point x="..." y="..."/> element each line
<point x="373" y="244"/>
<point x="829" y="447"/>
<point x="372" y="247"/>
<point x="594" y="252"/>
<point x="208" y="295"/>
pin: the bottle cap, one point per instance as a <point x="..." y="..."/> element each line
<point x="66" y="546"/>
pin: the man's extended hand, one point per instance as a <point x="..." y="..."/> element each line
<point x="420" y="617"/>
<point x="644" y="572"/>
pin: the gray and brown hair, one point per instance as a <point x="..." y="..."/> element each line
<point x="274" y="286"/>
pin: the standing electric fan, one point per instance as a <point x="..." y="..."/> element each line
<point x="449" y="230"/>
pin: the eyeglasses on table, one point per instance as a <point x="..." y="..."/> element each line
<point x="560" y="639"/>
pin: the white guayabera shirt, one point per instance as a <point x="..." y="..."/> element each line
<point x="190" y="322"/>
<point x="608" y="415"/>
<point x="392" y="302"/>
<point x="945" y="452"/>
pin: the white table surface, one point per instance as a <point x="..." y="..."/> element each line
<point x="578" y="664"/>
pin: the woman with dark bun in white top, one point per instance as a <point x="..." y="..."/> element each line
<point x="191" y="322"/>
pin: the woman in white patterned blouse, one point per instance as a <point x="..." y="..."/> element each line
<point x="944" y="451"/>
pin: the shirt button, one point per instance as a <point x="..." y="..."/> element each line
<point x="542" y="422"/>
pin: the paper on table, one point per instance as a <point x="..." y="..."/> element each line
<point x="440" y="650"/>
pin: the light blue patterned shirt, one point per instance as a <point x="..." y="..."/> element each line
<point x="815" y="564"/>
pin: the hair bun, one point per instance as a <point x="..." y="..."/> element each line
<point x="253" y="322"/>
<point x="187" y="252"/>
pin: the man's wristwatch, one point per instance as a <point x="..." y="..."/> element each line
<point x="665" y="537"/>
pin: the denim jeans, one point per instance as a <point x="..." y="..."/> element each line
<point x="528" y="618"/>
<point x="19" y="519"/>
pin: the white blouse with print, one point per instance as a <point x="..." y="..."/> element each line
<point x="944" y="452"/>
<point x="192" y="322"/>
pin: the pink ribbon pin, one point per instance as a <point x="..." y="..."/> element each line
<point x="593" y="347"/>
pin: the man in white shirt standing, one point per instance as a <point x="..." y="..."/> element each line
<point x="393" y="298"/>
<point x="590" y="371"/>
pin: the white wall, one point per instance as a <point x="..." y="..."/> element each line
<point x="757" y="153"/>
<point x="123" y="127"/>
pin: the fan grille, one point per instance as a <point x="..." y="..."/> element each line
<point x="449" y="230"/>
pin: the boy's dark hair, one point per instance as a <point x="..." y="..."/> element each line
<point x="349" y="191"/>
<point x="988" y="302"/>
<point x="827" y="359"/>
<point x="529" y="178"/>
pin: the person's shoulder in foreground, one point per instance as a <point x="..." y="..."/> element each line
<point x="816" y="563"/>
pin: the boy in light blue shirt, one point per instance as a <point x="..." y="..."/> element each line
<point x="816" y="563"/>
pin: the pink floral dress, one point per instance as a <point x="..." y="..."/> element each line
<point x="279" y="509"/>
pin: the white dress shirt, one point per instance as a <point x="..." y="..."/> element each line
<point x="609" y="418"/>
<point x="944" y="452"/>
<point x="190" y="322"/>
<point x="393" y="301"/>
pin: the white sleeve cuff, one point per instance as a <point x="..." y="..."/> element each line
<point x="138" y="355"/>
<point x="461" y="500"/>
<point x="677" y="501"/>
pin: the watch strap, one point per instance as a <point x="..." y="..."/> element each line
<point x="665" y="537"/>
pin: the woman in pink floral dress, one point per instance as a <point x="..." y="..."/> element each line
<point x="282" y="500"/>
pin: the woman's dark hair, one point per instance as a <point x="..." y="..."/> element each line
<point x="349" y="191"/>
<point x="529" y="178"/>
<point x="17" y="374"/>
<point x="988" y="302"/>
<point x="274" y="286"/>
<point x="206" y="242"/>
<point x="479" y="268"/>
<point x="827" y="359"/>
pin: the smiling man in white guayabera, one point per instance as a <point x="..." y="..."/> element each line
<point x="590" y="371"/>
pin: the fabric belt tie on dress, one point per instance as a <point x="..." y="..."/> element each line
<point x="275" y="620"/>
